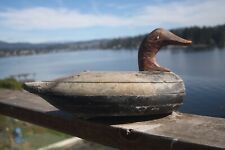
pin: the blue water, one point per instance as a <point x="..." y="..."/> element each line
<point x="203" y="71"/>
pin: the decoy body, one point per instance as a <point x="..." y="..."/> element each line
<point x="152" y="90"/>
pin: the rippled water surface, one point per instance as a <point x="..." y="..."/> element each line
<point x="202" y="71"/>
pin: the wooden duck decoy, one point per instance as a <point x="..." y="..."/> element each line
<point x="151" y="90"/>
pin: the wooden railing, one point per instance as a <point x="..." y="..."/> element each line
<point x="176" y="131"/>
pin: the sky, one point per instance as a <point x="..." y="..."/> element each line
<point x="39" y="21"/>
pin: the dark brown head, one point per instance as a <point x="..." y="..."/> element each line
<point x="151" y="45"/>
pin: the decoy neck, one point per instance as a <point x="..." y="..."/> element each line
<point x="151" y="45"/>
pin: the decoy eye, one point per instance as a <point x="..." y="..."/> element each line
<point x="157" y="37"/>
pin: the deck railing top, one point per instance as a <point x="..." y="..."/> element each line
<point x="176" y="131"/>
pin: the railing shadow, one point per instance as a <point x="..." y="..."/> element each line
<point x="109" y="120"/>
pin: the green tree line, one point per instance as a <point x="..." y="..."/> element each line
<point x="208" y="36"/>
<point x="201" y="36"/>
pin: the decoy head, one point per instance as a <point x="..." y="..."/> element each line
<point x="151" y="45"/>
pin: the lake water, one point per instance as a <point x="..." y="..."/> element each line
<point x="203" y="71"/>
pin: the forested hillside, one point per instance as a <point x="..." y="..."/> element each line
<point x="202" y="37"/>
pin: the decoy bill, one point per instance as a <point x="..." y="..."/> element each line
<point x="149" y="91"/>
